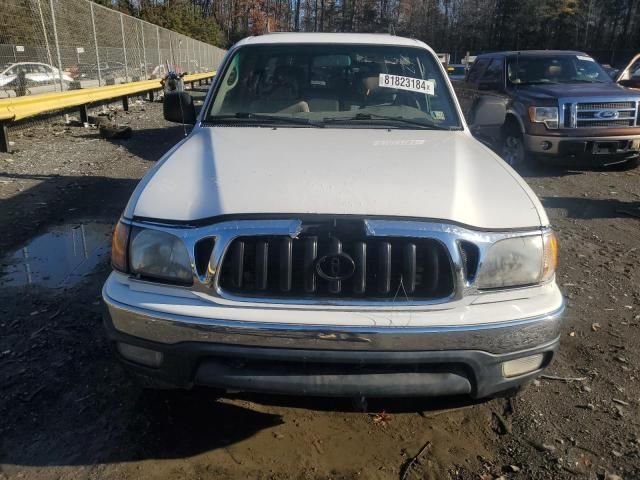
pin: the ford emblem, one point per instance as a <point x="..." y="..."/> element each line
<point x="335" y="266"/>
<point x="606" y="114"/>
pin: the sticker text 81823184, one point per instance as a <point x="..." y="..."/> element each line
<point x="406" y="83"/>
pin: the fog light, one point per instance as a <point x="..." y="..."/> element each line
<point x="140" y="355"/>
<point x="545" y="145"/>
<point x="520" y="366"/>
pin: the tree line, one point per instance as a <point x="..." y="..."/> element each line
<point x="609" y="29"/>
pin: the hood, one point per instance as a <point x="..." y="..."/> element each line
<point x="568" y="90"/>
<point x="374" y="172"/>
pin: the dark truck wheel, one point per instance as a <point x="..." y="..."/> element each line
<point x="512" y="149"/>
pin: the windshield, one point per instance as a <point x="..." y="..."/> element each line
<point x="525" y="70"/>
<point x="341" y="86"/>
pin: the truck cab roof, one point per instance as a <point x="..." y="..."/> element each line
<point x="532" y="53"/>
<point x="336" y="38"/>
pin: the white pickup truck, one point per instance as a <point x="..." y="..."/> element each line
<point x="331" y="227"/>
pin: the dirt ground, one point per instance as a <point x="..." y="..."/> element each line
<point x="69" y="411"/>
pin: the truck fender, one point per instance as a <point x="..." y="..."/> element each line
<point x="513" y="116"/>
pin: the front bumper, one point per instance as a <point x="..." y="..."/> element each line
<point x="596" y="151"/>
<point x="332" y="361"/>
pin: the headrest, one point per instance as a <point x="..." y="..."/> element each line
<point x="554" y="70"/>
<point x="370" y="84"/>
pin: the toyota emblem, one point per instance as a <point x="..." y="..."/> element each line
<point x="335" y="266"/>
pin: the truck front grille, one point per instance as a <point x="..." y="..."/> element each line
<point x="607" y="106"/>
<point x="601" y="114"/>
<point x="382" y="268"/>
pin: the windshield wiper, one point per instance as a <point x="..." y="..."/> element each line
<point x="581" y="80"/>
<point x="535" y="82"/>
<point x="266" y="117"/>
<point x="373" y="116"/>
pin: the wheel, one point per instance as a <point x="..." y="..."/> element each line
<point x="512" y="150"/>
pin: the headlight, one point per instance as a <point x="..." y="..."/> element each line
<point x="519" y="261"/>
<point x="160" y="255"/>
<point x="546" y="115"/>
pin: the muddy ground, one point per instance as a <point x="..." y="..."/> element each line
<point x="69" y="411"/>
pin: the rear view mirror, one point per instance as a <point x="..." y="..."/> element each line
<point x="178" y="107"/>
<point x="488" y="111"/>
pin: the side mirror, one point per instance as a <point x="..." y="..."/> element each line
<point x="178" y="107"/>
<point x="488" y="111"/>
<point x="625" y="77"/>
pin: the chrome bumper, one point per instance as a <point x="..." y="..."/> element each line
<point x="495" y="338"/>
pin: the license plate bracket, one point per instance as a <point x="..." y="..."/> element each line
<point x="604" y="148"/>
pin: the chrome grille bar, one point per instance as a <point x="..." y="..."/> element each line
<point x="286" y="267"/>
<point x="310" y="255"/>
<point x="384" y="267"/>
<point x="335" y="286"/>
<point x="262" y="264"/>
<point x="360" y="257"/>
<point x="409" y="273"/>
<point x="238" y="264"/>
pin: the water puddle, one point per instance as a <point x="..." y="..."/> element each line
<point x="58" y="258"/>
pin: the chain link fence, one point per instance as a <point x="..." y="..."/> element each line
<point x="57" y="45"/>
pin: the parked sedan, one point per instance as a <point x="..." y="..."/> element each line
<point x="107" y="69"/>
<point x="35" y="74"/>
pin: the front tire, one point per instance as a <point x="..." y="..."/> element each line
<point x="512" y="149"/>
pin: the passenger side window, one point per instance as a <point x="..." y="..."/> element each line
<point x="477" y="69"/>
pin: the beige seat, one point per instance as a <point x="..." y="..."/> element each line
<point x="323" y="104"/>
<point x="278" y="106"/>
<point x="284" y="95"/>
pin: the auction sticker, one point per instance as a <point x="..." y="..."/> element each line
<point x="406" y="83"/>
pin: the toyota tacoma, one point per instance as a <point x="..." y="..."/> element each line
<point x="331" y="227"/>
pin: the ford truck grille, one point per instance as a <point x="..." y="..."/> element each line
<point x="601" y="114"/>
<point x="339" y="265"/>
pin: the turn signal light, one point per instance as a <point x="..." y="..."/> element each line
<point x="119" y="242"/>
<point x="550" y="255"/>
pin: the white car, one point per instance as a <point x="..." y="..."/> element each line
<point x="35" y="74"/>
<point x="331" y="227"/>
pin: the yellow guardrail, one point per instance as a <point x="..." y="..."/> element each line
<point x="19" y="108"/>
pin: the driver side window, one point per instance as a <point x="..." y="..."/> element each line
<point x="493" y="75"/>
